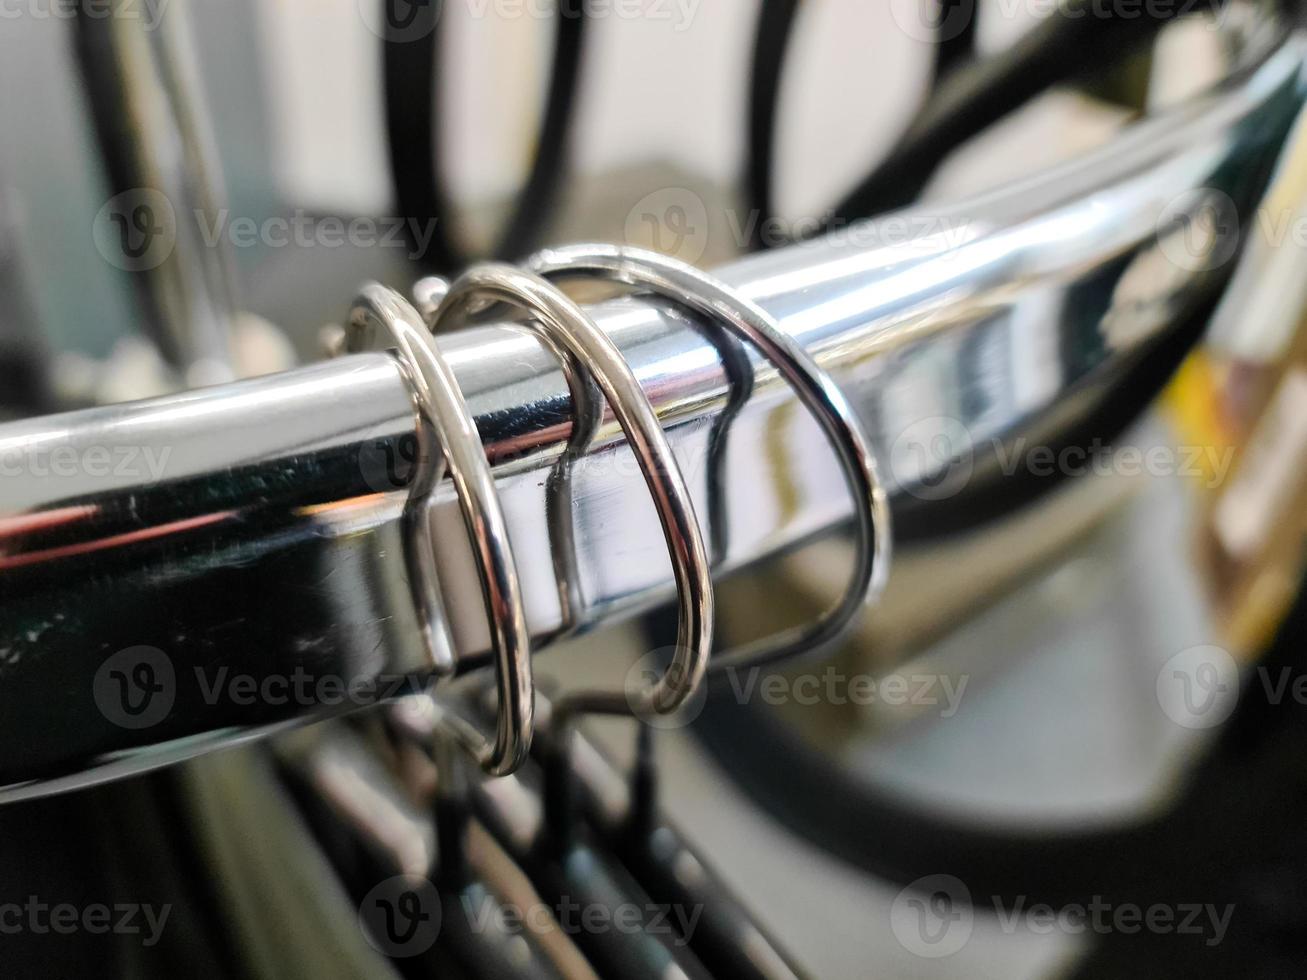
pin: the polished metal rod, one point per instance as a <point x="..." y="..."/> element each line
<point x="184" y="572"/>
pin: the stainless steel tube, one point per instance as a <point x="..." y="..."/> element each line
<point x="182" y="572"/>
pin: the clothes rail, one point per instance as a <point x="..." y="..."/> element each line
<point x="233" y="556"/>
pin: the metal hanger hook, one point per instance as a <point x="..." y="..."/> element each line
<point x="567" y="327"/>
<point x="445" y="416"/>
<point x="684" y="284"/>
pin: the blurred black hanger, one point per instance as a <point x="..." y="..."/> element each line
<point x="622" y="930"/>
<point x="624" y="814"/>
<point x="413" y="76"/>
<point x="429" y="905"/>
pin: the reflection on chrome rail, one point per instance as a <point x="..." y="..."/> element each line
<point x="149" y="553"/>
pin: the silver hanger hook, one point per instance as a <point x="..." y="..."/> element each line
<point x="565" y="325"/>
<point x="587" y="415"/>
<point x="684" y="284"/>
<point x="447" y="420"/>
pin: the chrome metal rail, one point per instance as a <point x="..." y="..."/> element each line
<point x="247" y="535"/>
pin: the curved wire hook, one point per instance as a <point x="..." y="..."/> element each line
<point x="440" y="405"/>
<point x="587" y="415"/>
<point x="568" y="326"/>
<point x="684" y="284"/>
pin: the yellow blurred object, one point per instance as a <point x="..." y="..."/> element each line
<point x="1246" y="391"/>
<point x="1254" y="526"/>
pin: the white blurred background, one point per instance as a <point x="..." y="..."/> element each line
<point x="667" y="86"/>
